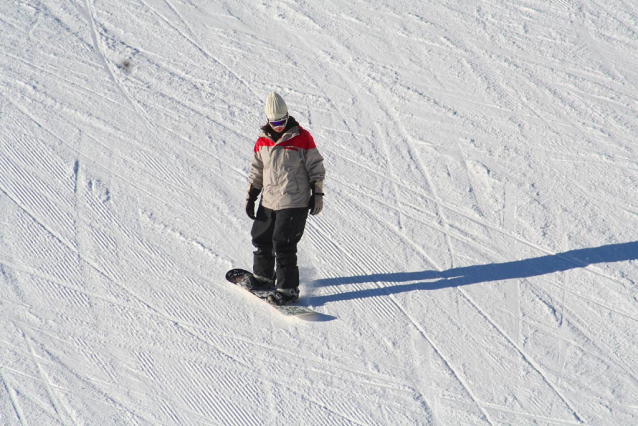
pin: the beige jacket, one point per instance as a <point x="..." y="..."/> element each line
<point x="285" y="169"/>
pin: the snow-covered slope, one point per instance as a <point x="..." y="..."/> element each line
<point x="476" y="262"/>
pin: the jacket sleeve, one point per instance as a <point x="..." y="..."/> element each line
<point x="314" y="163"/>
<point x="256" y="176"/>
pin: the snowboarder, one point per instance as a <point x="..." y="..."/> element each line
<point x="288" y="171"/>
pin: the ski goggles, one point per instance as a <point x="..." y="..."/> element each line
<point x="279" y="123"/>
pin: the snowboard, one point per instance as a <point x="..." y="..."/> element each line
<point x="239" y="277"/>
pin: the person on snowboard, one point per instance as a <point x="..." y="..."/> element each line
<point x="287" y="170"/>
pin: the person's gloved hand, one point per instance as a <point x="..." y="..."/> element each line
<point x="251" y="197"/>
<point x="316" y="199"/>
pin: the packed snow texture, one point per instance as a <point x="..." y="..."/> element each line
<point x="476" y="262"/>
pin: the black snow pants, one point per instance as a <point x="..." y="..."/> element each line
<point x="275" y="234"/>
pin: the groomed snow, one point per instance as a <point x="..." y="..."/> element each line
<point x="476" y="262"/>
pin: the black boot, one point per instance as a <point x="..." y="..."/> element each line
<point x="284" y="296"/>
<point x="256" y="282"/>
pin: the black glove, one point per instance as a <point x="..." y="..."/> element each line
<point x="316" y="199"/>
<point x="251" y="197"/>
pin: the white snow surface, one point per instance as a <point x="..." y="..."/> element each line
<point x="476" y="262"/>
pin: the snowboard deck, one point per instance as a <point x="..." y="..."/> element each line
<point x="239" y="276"/>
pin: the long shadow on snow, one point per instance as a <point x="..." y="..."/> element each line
<point x="480" y="273"/>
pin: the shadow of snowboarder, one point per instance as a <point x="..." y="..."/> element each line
<point x="457" y="277"/>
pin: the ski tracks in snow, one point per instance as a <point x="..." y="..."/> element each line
<point x="133" y="244"/>
<point x="97" y="44"/>
<point x="361" y="262"/>
<point x="423" y="169"/>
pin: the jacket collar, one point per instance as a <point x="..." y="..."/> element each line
<point x="288" y="134"/>
<point x="292" y="130"/>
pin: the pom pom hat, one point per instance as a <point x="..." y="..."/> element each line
<point x="276" y="108"/>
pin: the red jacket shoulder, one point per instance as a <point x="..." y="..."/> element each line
<point x="263" y="141"/>
<point x="304" y="140"/>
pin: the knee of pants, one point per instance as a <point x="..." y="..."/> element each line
<point x="284" y="247"/>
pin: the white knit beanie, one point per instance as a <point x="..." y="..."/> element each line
<point x="275" y="107"/>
